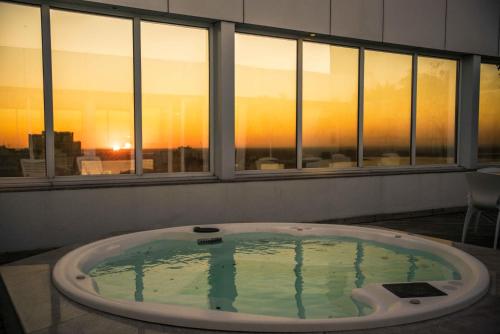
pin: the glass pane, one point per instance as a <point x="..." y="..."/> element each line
<point x="175" y="98"/>
<point x="387" y="109"/>
<point x="489" y="114"/>
<point x="22" y="140"/>
<point x="436" y="89"/>
<point x="92" y="75"/>
<point x="330" y="106"/>
<point x="265" y="102"/>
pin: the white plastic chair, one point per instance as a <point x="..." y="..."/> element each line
<point x="89" y="165"/>
<point x="484" y="194"/>
<point x="33" y="167"/>
<point x="389" y="159"/>
<point x="490" y="170"/>
<point x="147" y="164"/>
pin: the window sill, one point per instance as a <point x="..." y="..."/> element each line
<point x="488" y="164"/>
<point x="105" y="181"/>
<point x="311" y="173"/>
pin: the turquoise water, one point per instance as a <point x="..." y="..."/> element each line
<point x="264" y="273"/>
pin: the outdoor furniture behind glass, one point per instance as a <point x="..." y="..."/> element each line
<point x="484" y="194"/>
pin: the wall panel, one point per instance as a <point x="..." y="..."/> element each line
<point x="68" y="216"/>
<point x="227" y="10"/>
<point x="156" y="5"/>
<point x="472" y="26"/>
<point x="303" y="15"/>
<point x="361" y="19"/>
<point x="415" y="22"/>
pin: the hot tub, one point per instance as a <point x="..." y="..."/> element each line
<point x="272" y="277"/>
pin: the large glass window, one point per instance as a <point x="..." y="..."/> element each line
<point x="22" y="140"/>
<point x="436" y="96"/>
<point x="175" y="98"/>
<point x="387" y="109"/>
<point x="265" y="105"/>
<point x="330" y="106"/>
<point x="92" y="74"/>
<point x="489" y="114"/>
<point x="93" y="100"/>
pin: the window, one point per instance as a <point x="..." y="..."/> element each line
<point x="489" y="114"/>
<point x="93" y="100"/>
<point x="387" y="109"/>
<point x="265" y="102"/>
<point x="92" y="73"/>
<point x="436" y="98"/>
<point x="22" y="140"/>
<point x="175" y="98"/>
<point x="330" y="106"/>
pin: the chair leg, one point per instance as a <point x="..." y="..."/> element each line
<point x="497" y="229"/>
<point x="476" y="223"/>
<point x="468" y="216"/>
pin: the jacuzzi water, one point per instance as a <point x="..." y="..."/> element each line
<point x="307" y="277"/>
<point x="272" y="277"/>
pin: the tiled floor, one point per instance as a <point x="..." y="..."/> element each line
<point x="446" y="226"/>
<point x="42" y="309"/>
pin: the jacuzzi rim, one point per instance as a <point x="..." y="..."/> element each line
<point x="475" y="283"/>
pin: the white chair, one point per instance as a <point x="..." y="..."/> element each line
<point x="484" y="194"/>
<point x="268" y="163"/>
<point x="89" y="165"/>
<point x="490" y="170"/>
<point x="389" y="159"/>
<point x="148" y="164"/>
<point x="33" y="167"/>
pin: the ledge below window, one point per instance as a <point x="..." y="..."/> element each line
<point x="84" y="182"/>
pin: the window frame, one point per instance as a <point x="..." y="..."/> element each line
<point x="414" y="52"/>
<point x="487" y="61"/>
<point x="211" y="97"/>
<point x="135" y="16"/>
<point x="457" y="104"/>
<point x="359" y="115"/>
<point x="412" y="112"/>
<point x="51" y="164"/>
<point x="28" y="180"/>
<point x="298" y="106"/>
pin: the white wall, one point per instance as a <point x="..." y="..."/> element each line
<point x="41" y="219"/>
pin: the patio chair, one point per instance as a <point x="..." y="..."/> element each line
<point x="389" y="159"/>
<point x="484" y="194"/>
<point x="89" y="165"/>
<point x="269" y="163"/>
<point x="148" y="164"/>
<point x="33" y="167"/>
<point x="490" y="170"/>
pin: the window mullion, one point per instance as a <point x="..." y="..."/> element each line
<point x="47" y="92"/>
<point x="137" y="95"/>
<point x="469" y="111"/>
<point x="413" y="124"/>
<point x="212" y="99"/>
<point x="361" y="78"/>
<point x="224" y="118"/>
<point x="299" y="105"/>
